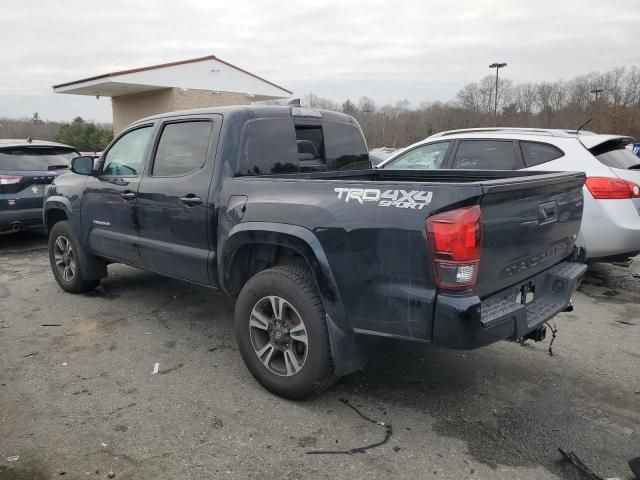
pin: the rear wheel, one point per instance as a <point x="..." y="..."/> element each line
<point x="65" y="260"/>
<point x="282" y="333"/>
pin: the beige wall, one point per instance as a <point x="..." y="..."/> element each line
<point x="129" y="108"/>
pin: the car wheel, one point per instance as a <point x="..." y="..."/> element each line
<point x="65" y="260"/>
<point x="282" y="332"/>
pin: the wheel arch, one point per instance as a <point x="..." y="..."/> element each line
<point x="56" y="209"/>
<point x="254" y="246"/>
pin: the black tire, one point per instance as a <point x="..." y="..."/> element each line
<point x="71" y="281"/>
<point x="295" y="286"/>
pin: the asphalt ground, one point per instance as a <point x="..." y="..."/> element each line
<point x="78" y="399"/>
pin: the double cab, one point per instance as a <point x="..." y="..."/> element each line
<point x="278" y="207"/>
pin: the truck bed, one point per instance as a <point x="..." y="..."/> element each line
<point x="379" y="255"/>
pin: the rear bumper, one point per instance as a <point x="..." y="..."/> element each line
<point x="468" y="322"/>
<point x="26" y="218"/>
<point x="614" y="233"/>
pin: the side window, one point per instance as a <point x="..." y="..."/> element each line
<point x="126" y="157"/>
<point x="535" y="153"/>
<point x="268" y="145"/>
<point x="426" y="157"/>
<point x="345" y="147"/>
<point x="182" y="148"/>
<point x="310" y="143"/>
<point x="486" y="155"/>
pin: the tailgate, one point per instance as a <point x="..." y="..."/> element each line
<point x="529" y="224"/>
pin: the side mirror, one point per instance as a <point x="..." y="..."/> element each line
<point x="82" y="165"/>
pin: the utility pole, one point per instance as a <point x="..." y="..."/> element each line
<point x="497" y="66"/>
<point x="597" y="92"/>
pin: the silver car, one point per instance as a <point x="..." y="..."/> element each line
<point x="611" y="220"/>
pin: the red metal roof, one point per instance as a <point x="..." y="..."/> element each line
<point x="170" y="64"/>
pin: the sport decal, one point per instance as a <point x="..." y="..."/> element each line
<point x="414" y="199"/>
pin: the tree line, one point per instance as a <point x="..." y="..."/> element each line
<point x="610" y="99"/>
<point x="82" y="135"/>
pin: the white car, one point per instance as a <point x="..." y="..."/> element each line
<point x="611" y="219"/>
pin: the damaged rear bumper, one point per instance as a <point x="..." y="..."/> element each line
<point x="468" y="322"/>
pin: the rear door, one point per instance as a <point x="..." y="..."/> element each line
<point x="529" y="224"/>
<point x="173" y="199"/>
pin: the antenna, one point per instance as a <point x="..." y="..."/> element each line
<point x="583" y="125"/>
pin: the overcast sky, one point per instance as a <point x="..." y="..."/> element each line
<point x="388" y="50"/>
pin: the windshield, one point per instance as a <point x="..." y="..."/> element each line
<point x="616" y="156"/>
<point x="35" y="158"/>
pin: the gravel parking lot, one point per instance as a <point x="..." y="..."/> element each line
<point x="78" y="397"/>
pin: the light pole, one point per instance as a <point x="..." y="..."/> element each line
<point x="497" y="66"/>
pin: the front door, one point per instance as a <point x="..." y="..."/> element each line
<point x="173" y="197"/>
<point x="109" y="220"/>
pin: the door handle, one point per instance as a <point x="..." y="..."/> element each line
<point x="191" y="200"/>
<point x="128" y="195"/>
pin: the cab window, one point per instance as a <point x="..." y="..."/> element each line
<point x="182" y="148"/>
<point x="125" y="158"/>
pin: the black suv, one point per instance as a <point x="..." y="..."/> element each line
<point x="26" y="168"/>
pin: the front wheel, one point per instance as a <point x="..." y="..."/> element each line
<point x="65" y="260"/>
<point x="282" y="332"/>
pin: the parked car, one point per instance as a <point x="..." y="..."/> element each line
<point x="26" y="168"/>
<point x="380" y="154"/>
<point x="611" y="223"/>
<point x="319" y="253"/>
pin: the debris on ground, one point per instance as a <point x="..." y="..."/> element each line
<point x="580" y="465"/>
<point x="387" y="435"/>
<point x="625" y="322"/>
<point x="14" y="458"/>
<point x="554" y="334"/>
<point x="51" y="324"/>
<point x="156" y="367"/>
<point x="111" y="475"/>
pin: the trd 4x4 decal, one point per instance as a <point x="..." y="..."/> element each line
<point x="415" y="199"/>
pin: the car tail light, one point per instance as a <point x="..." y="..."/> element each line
<point x="612" y="188"/>
<point x="9" y="179"/>
<point x="455" y="243"/>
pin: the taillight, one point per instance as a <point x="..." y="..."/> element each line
<point x="455" y="243"/>
<point x="9" y="179"/>
<point x="604" y="188"/>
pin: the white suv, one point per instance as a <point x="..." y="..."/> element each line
<point x="611" y="220"/>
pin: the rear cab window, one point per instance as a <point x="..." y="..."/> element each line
<point x="486" y="155"/>
<point x="36" y="158"/>
<point x="285" y="145"/>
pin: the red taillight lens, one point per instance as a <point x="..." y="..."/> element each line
<point x="9" y="179"/>
<point x="455" y="243"/>
<point x="604" y="188"/>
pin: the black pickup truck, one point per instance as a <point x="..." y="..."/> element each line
<point x="278" y="206"/>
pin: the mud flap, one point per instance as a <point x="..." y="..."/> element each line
<point x="348" y="350"/>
